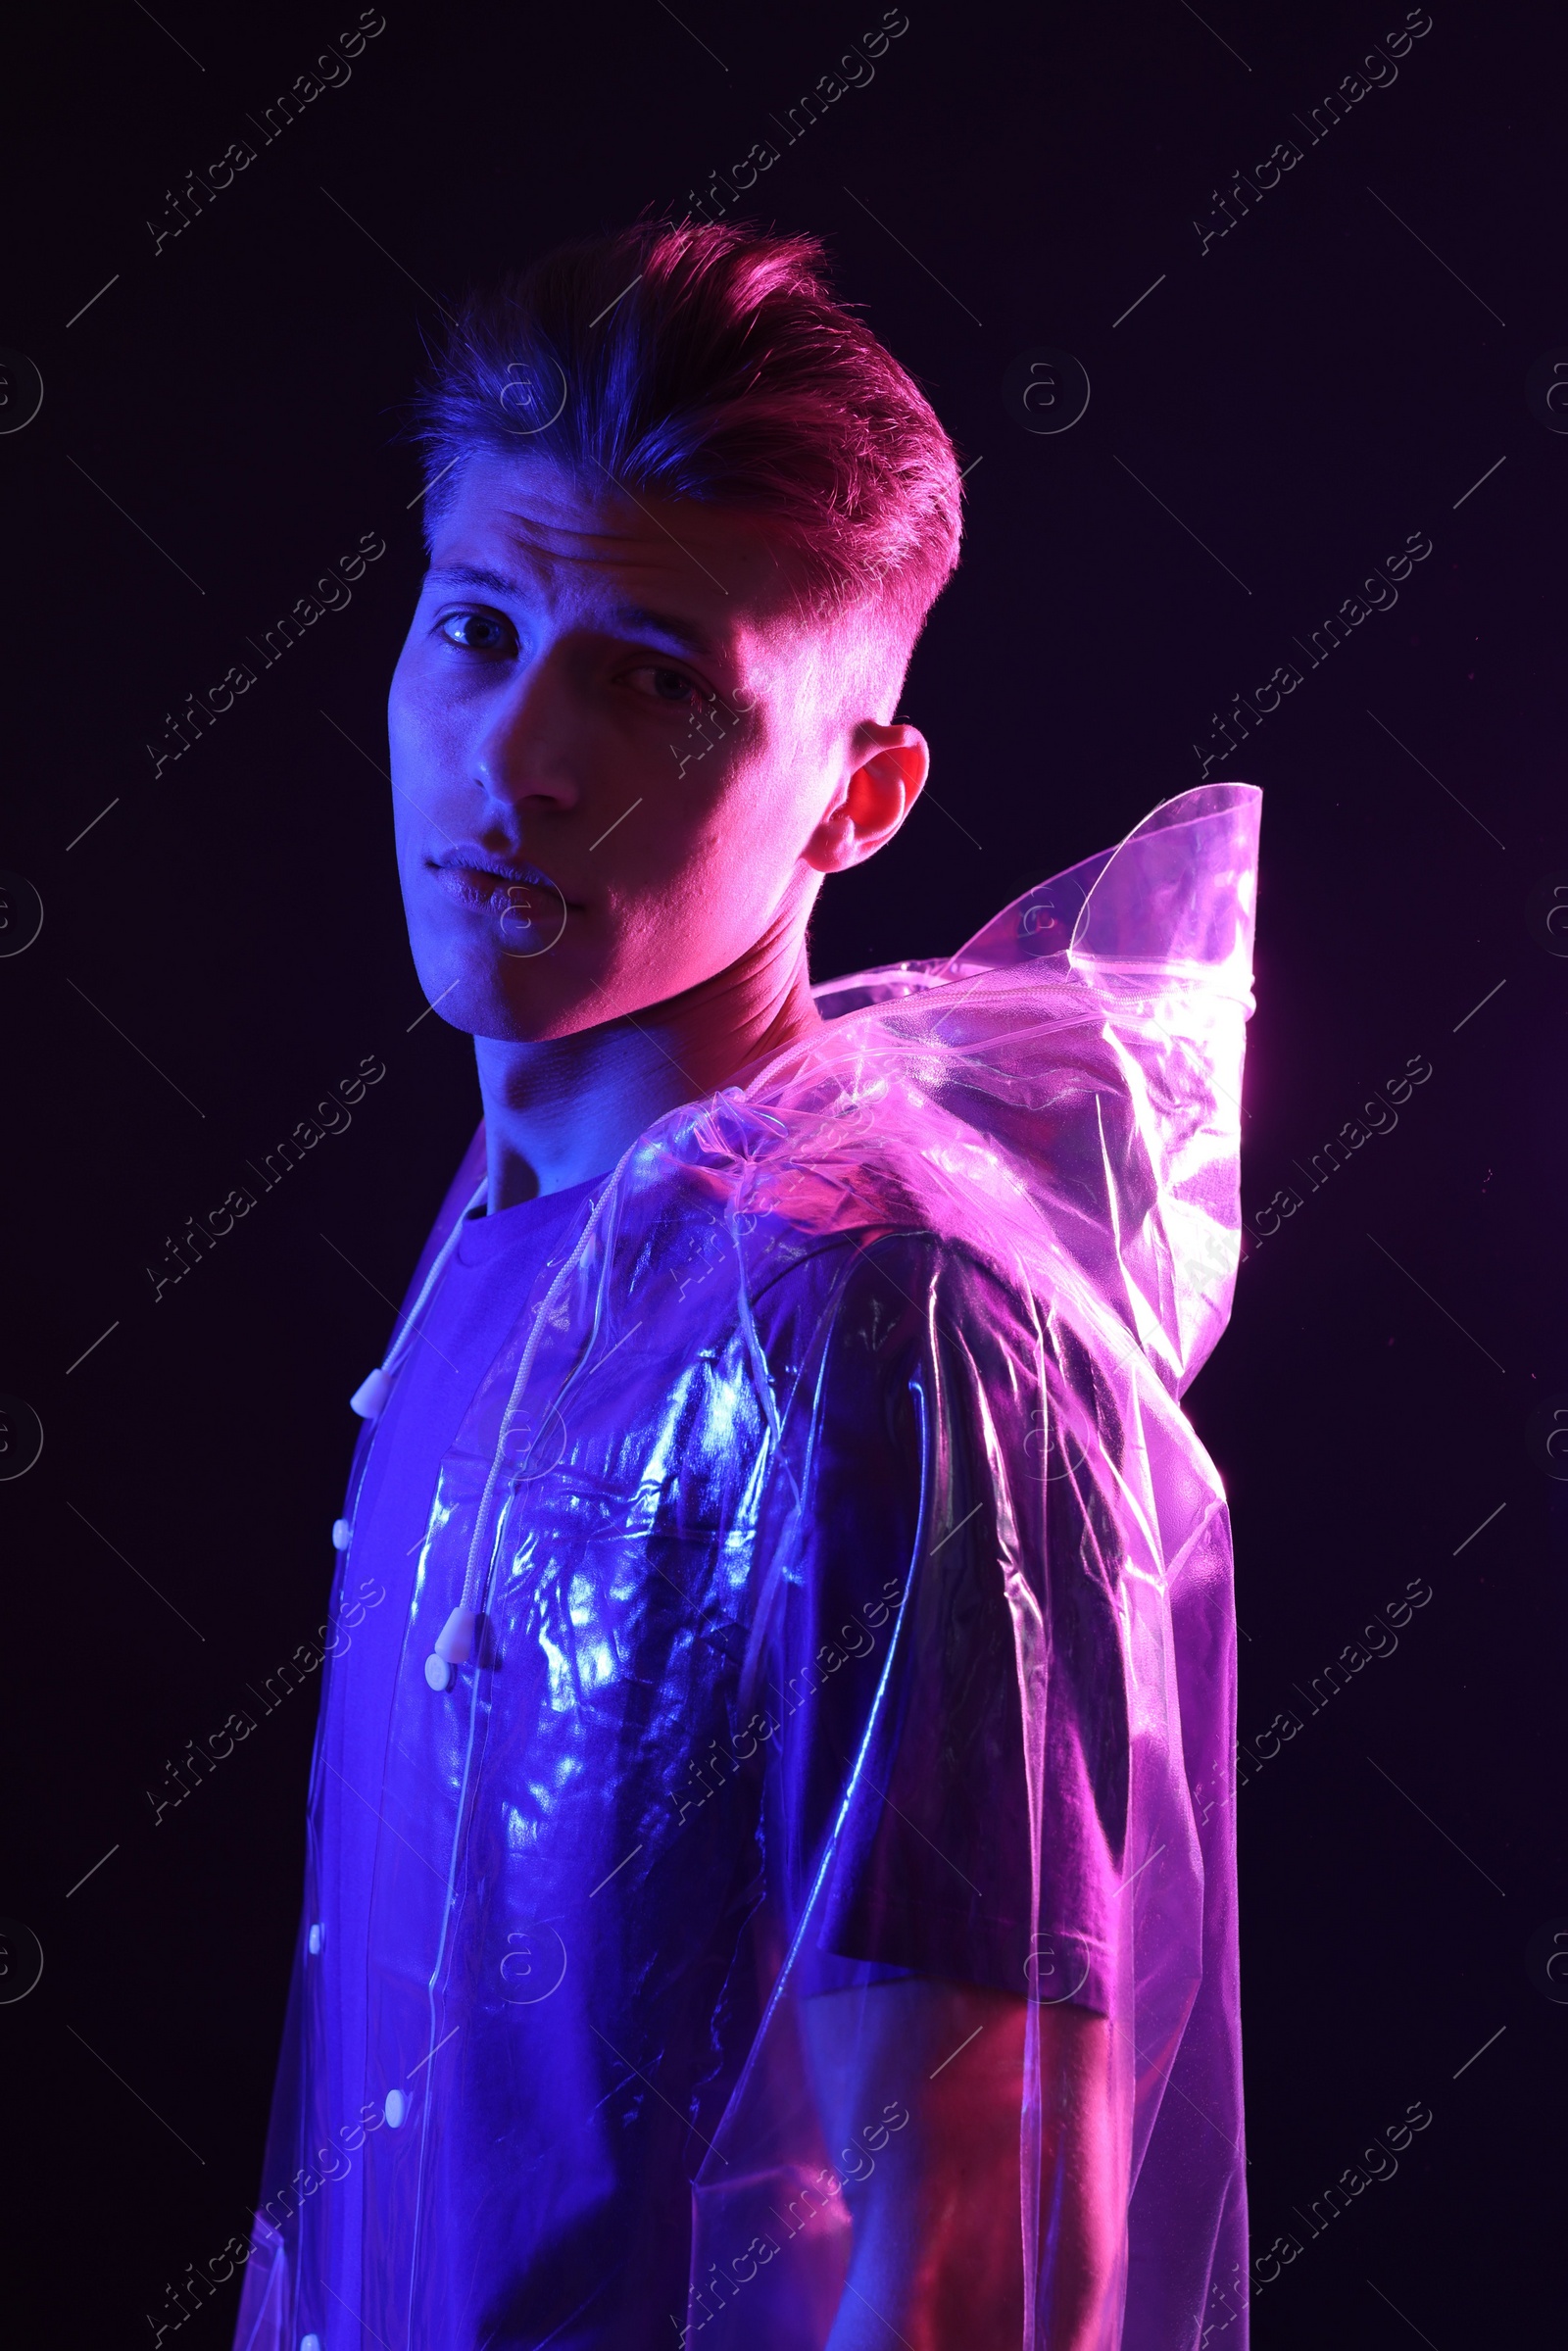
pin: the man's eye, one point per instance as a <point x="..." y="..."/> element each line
<point x="672" y="687"/>
<point x="476" y="632"/>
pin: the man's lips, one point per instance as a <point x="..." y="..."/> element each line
<point x="476" y="879"/>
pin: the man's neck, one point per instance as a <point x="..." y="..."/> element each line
<point x="562" y="1110"/>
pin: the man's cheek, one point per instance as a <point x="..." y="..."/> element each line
<point x="431" y="751"/>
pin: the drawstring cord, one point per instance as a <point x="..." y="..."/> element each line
<point x="456" y="1640"/>
<point x="454" y="1643"/>
<point x="371" y="1398"/>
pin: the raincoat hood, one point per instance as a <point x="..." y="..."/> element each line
<point x="1080" y="1062"/>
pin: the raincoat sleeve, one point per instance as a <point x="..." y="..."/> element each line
<point x="939" y="1684"/>
<point x="956" y="1574"/>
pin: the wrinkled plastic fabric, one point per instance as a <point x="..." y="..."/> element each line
<point x="855" y="1601"/>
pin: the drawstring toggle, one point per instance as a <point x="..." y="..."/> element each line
<point x="454" y="1647"/>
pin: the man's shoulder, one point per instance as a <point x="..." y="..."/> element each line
<point x="805" y="1206"/>
<point x="924" y="1262"/>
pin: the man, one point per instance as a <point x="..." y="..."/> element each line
<point x="769" y="1877"/>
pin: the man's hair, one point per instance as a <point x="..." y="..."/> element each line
<point x="711" y="363"/>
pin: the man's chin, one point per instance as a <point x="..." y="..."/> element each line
<point x="513" y="1006"/>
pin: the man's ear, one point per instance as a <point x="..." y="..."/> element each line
<point x="892" y="762"/>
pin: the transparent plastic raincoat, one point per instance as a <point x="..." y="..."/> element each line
<point x="825" y="1586"/>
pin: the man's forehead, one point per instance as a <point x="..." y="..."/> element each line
<point x="514" y="526"/>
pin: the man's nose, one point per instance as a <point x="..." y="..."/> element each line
<point x="524" y="748"/>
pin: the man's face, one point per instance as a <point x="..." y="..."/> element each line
<point x="612" y="745"/>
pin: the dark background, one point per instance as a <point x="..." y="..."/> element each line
<point x="225" y="943"/>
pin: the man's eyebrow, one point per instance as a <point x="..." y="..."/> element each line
<point x="477" y="575"/>
<point x="636" y="619"/>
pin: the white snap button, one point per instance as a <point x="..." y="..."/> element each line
<point x="310" y="2342"/>
<point x="312" y="1941"/>
<point x="396" y="2107"/>
<point x="342" y="1533"/>
<point x="438" y="1673"/>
